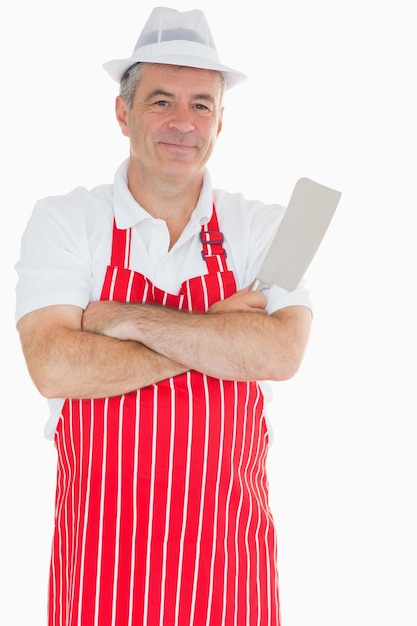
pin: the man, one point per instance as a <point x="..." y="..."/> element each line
<point x="134" y="305"/>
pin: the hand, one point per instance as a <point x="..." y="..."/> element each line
<point x="244" y="300"/>
<point x="105" y="317"/>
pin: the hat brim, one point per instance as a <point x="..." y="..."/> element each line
<point x="154" y="54"/>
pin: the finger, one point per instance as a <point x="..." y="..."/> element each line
<point x="256" y="299"/>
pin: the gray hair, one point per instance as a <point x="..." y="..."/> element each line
<point x="129" y="82"/>
<point x="132" y="76"/>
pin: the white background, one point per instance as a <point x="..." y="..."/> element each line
<point x="331" y="95"/>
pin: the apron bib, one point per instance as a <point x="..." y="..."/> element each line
<point x="161" y="514"/>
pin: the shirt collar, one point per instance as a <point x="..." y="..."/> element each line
<point x="128" y="212"/>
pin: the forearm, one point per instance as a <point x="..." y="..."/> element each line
<point x="96" y="366"/>
<point x="230" y="346"/>
<point x="235" y="345"/>
<point x="65" y="361"/>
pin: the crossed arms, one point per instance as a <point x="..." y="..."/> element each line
<point x="113" y="348"/>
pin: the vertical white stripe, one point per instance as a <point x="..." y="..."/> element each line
<point x="227" y="509"/>
<point x="271" y="554"/>
<point x="101" y="515"/>
<point x="58" y="526"/>
<point x="202" y="499"/>
<point x="216" y="504"/>
<point x="129" y="287"/>
<point x="78" y="516"/>
<point x="127" y="248"/>
<point x="168" y="501"/>
<point x="189" y="300"/>
<point x="205" y="294"/>
<point x="239" y="508"/>
<point x="112" y="283"/>
<point x="68" y="482"/>
<point x="186" y="496"/>
<point x="253" y="478"/>
<point x="135" y="509"/>
<point x="263" y="499"/>
<point x="86" y="510"/>
<point x="65" y="483"/>
<point x="53" y="584"/>
<point x="248" y="551"/>
<point x="151" y="505"/>
<point x="67" y="479"/>
<point x="270" y="558"/>
<point x="145" y="292"/>
<point x="118" y="509"/>
<point x="71" y="565"/>
<point x="277" y="607"/>
<point x="221" y="286"/>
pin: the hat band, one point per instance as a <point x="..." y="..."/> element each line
<point x="175" y="48"/>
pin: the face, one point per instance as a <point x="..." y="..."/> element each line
<point x="174" y="121"/>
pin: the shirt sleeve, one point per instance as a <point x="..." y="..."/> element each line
<point x="278" y="298"/>
<point x="54" y="265"/>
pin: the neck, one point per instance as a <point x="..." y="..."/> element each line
<point x="171" y="200"/>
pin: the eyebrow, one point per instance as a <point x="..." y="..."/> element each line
<point x="156" y="93"/>
<point x="159" y="92"/>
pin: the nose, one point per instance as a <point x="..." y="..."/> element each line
<point x="182" y="119"/>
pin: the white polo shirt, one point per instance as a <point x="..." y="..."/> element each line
<point x="67" y="243"/>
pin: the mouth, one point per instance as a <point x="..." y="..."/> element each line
<point x="177" y="148"/>
<point x="178" y="142"/>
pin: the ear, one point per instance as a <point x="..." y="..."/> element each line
<point x="220" y="122"/>
<point x="122" y="113"/>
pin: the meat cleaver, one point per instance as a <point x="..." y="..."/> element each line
<point x="306" y="219"/>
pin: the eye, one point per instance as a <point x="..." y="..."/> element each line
<point x="203" y="107"/>
<point x="161" y="104"/>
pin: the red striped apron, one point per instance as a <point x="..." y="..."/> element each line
<point x="162" y="515"/>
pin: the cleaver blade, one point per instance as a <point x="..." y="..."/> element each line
<point x="306" y="219"/>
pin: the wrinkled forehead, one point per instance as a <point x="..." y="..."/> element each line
<point x="199" y="78"/>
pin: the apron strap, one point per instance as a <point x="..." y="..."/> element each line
<point x="212" y="245"/>
<point x="120" y="251"/>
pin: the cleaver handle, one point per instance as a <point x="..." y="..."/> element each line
<point x="258" y="285"/>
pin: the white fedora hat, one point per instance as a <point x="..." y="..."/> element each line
<point x="173" y="37"/>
